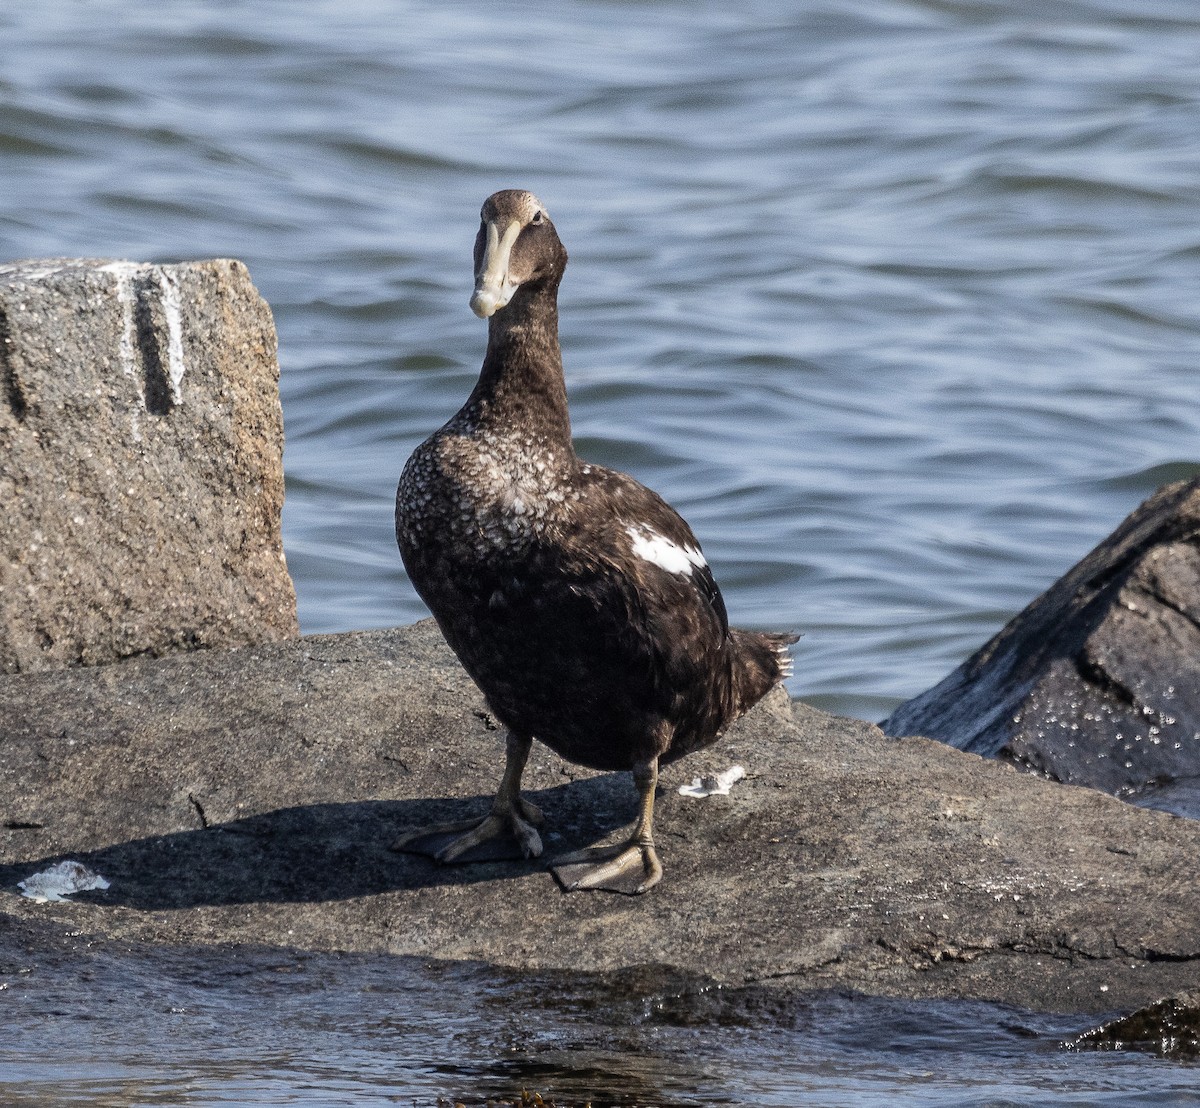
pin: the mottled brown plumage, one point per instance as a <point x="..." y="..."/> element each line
<point x="576" y="598"/>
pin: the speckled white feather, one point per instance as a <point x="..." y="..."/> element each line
<point x="649" y="545"/>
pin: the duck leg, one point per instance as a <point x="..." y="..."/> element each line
<point x="507" y="831"/>
<point x="631" y="867"/>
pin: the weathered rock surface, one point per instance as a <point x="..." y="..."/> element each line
<point x="1097" y="682"/>
<point x="141" y="443"/>
<point x="249" y="796"/>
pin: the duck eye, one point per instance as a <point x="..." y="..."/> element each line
<point x="537" y="217"/>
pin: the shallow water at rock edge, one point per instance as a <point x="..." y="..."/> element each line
<point x="133" y="1026"/>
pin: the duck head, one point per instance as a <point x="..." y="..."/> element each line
<point x="516" y="245"/>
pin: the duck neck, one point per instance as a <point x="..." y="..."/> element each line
<point x="521" y="389"/>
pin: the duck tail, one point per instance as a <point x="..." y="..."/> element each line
<point x="760" y="662"/>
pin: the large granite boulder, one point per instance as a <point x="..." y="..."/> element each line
<point x="141" y="443"/>
<point x="1097" y="682"/>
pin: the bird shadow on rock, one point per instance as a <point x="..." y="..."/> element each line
<point x="326" y="852"/>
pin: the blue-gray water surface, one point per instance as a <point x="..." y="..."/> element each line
<point x="118" y="1028"/>
<point x="894" y="300"/>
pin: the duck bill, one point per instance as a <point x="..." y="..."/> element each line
<point x="493" y="285"/>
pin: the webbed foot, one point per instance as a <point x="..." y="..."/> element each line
<point x="504" y="834"/>
<point x="629" y="868"/>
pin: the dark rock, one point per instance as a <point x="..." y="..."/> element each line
<point x="1169" y="1028"/>
<point x="141" y="474"/>
<point x="1097" y="682"/>
<point x="250" y="796"/>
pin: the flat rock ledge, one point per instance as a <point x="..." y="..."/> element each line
<point x="141" y="444"/>
<point x="249" y="796"/>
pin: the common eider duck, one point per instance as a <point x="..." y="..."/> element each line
<point x="578" y="600"/>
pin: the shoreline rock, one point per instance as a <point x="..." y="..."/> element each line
<point x="249" y="796"/>
<point x="141" y="442"/>
<point x="1169" y="1028"/>
<point x="1097" y="681"/>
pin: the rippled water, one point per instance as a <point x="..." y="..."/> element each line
<point x="895" y="300"/>
<point x="203" y="1028"/>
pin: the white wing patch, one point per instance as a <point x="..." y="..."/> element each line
<point x="662" y="552"/>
